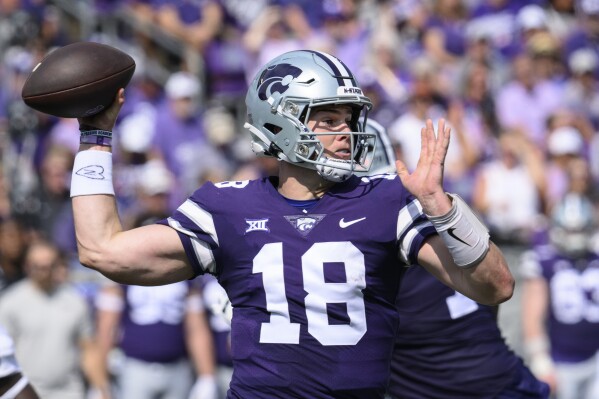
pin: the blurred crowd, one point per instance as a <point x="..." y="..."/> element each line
<point x="517" y="80"/>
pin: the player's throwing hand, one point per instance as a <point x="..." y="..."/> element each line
<point x="107" y="119"/>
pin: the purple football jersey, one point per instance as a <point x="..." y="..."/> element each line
<point x="447" y="346"/>
<point x="313" y="291"/>
<point x="152" y="322"/>
<point x="573" y="312"/>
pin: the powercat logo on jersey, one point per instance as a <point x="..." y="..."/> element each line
<point x="256" y="225"/>
<point x="276" y="80"/>
<point x="348" y="91"/>
<point x="304" y="224"/>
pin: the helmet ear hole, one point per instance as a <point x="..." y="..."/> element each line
<point x="274" y="129"/>
<point x="303" y="116"/>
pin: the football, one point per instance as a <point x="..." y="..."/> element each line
<point x="77" y="80"/>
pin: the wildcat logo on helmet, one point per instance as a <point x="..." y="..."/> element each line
<point x="276" y="80"/>
<point x="344" y="90"/>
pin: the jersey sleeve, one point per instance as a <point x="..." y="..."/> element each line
<point x="194" y="223"/>
<point x="413" y="228"/>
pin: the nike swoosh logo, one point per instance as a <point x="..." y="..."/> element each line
<point x="343" y="224"/>
<point x="451" y="230"/>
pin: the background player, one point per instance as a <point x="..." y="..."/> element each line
<point x="163" y="334"/>
<point x="560" y="315"/>
<point x="305" y="258"/>
<point x="447" y="345"/>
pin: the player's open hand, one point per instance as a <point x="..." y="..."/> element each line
<point x="426" y="181"/>
<point x="106" y="119"/>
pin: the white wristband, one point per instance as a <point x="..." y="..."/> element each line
<point x="465" y="236"/>
<point x="205" y="387"/>
<point x="541" y="365"/>
<point x="92" y="173"/>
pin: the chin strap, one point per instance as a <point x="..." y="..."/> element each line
<point x="333" y="171"/>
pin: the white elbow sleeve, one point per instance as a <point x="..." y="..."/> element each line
<point x="464" y="234"/>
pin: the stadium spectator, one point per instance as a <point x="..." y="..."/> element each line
<point x="425" y="101"/>
<point x="154" y="182"/>
<point x="179" y="139"/>
<point x="565" y="145"/>
<point x="476" y="92"/>
<point x="272" y="34"/>
<point x="586" y="30"/>
<point x="410" y="21"/>
<point x="498" y="20"/>
<point x="13" y="244"/>
<point x="225" y="61"/>
<point x="51" y="326"/>
<point x="581" y="90"/>
<point x="509" y="190"/>
<point x="193" y="23"/>
<point x="526" y="102"/>
<point x="444" y="39"/>
<point x="347" y="31"/>
<point x="52" y="216"/>
<point x="561" y="18"/>
<point x="547" y="61"/>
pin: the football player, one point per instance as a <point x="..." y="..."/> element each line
<point x="13" y="384"/>
<point x="154" y="328"/>
<point x="560" y="301"/>
<point x="307" y="258"/>
<point x="448" y="346"/>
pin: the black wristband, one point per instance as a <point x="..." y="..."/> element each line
<point x="103" y="133"/>
<point x="83" y="127"/>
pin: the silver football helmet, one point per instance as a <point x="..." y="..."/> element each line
<point x="574" y="225"/>
<point x="279" y="102"/>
